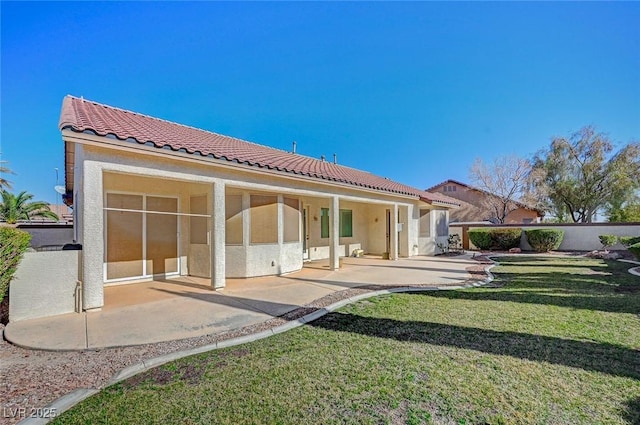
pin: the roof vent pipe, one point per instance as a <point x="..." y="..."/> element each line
<point x="294" y="147"/>
<point x="322" y="158"/>
<point x="335" y="158"/>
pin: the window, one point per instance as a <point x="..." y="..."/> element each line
<point x="346" y="223"/>
<point x="449" y="188"/>
<point x="425" y="223"/>
<point x="324" y="222"/>
<point x="442" y="229"/>
<point x="264" y="219"/>
<point x="291" y="220"/>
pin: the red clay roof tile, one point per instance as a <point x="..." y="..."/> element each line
<point x="81" y="115"/>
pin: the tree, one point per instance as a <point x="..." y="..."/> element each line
<point x="21" y="207"/>
<point x="506" y="181"/>
<point x="4" y="183"/>
<point x="581" y="174"/>
<point x="624" y="211"/>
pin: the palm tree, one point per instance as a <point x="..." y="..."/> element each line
<point x="21" y="207"/>
<point x="4" y="183"/>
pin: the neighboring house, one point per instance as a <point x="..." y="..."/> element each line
<point x="154" y="198"/>
<point x="473" y="205"/>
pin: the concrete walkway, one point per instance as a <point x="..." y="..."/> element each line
<point x="186" y="307"/>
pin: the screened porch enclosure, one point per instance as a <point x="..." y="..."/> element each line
<point x="155" y="228"/>
<point x="142" y="236"/>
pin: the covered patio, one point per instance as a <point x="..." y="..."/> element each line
<point x="185" y="306"/>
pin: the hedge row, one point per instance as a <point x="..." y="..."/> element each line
<point x="503" y="239"/>
<point x="13" y="243"/>
<point x="541" y="240"/>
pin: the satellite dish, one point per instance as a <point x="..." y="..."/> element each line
<point x="60" y="189"/>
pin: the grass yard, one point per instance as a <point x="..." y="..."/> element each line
<point x="557" y="341"/>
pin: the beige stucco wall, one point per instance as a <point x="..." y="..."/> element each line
<point x="44" y="285"/>
<point x="582" y="237"/>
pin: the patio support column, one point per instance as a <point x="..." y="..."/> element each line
<point x="218" y="229"/>
<point x="393" y="254"/>
<point x="404" y="250"/>
<point x="92" y="237"/>
<point x="334" y="235"/>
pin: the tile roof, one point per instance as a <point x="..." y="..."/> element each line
<point x="82" y="115"/>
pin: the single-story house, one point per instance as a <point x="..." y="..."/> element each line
<point x="154" y="198"/>
<point x="477" y="205"/>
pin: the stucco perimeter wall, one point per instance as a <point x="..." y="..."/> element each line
<point x="43" y="235"/>
<point x="577" y="237"/>
<point x="44" y="285"/>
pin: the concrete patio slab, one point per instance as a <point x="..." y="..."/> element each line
<point x="184" y="307"/>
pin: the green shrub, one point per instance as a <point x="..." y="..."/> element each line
<point x="629" y="240"/>
<point x="608" y="240"/>
<point x="480" y="238"/>
<point x="13" y="243"/>
<point x="635" y="250"/>
<point x="504" y="239"/>
<point x="544" y="240"/>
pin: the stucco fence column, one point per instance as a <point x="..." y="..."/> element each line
<point x="92" y="237"/>
<point x="218" y="231"/>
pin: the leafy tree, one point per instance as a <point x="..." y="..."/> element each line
<point x="581" y="174"/>
<point x="625" y="214"/>
<point x="21" y="207"/>
<point x="4" y="183"/>
<point x="505" y="179"/>
<point x="624" y="209"/>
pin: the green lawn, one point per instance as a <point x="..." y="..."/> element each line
<point x="556" y="342"/>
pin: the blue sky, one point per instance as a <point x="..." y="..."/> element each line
<point x="410" y="91"/>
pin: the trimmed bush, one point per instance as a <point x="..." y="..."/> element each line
<point x="629" y="240"/>
<point x="480" y="238"/>
<point x="503" y="239"/>
<point x="635" y="250"/>
<point x="13" y="243"/>
<point x="544" y="240"/>
<point x="608" y="240"/>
